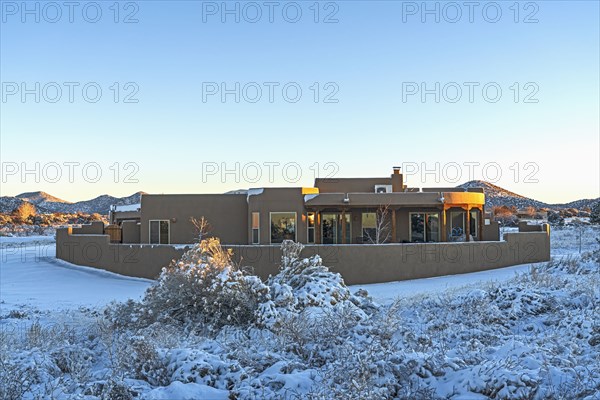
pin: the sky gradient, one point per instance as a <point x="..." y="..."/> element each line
<point x="180" y="134"/>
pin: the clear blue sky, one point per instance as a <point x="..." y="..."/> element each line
<point x="371" y="56"/>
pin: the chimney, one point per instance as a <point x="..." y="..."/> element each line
<point x="397" y="181"/>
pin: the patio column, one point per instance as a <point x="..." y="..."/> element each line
<point x="444" y="233"/>
<point x="394" y="228"/>
<point x="318" y="227"/>
<point x="480" y="235"/>
<point x="343" y="226"/>
<point x="468" y="225"/>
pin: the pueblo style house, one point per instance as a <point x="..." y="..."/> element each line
<point x="367" y="229"/>
<point x="334" y="211"/>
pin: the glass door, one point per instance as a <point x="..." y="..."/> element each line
<point x="331" y="228"/>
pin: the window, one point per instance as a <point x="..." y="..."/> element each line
<point x="432" y="227"/>
<point x="417" y="227"/>
<point x="369" y="227"/>
<point x="159" y="231"/>
<point x="457" y="224"/>
<point x="283" y="226"/>
<point x="255" y="228"/>
<point x="310" y="224"/>
<point x="424" y="227"/>
<point x="332" y="228"/>
<point x="474" y="226"/>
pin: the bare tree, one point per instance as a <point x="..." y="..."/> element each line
<point x="201" y="226"/>
<point x="382" y="231"/>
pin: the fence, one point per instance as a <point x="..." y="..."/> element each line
<point x="358" y="264"/>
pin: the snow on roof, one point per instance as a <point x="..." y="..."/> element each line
<point x="254" y="192"/>
<point x="128" y="207"/>
<point x="308" y="197"/>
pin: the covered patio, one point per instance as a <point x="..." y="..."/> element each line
<point x="406" y="217"/>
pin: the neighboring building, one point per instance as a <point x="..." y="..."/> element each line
<point x="334" y="211"/>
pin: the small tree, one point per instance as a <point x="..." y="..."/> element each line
<point x="382" y="226"/>
<point x="24" y="211"/>
<point x="201" y="226"/>
<point x="595" y="214"/>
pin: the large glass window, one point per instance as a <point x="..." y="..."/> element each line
<point x="255" y="228"/>
<point x="417" y="227"/>
<point x="310" y="224"/>
<point x="457" y="224"/>
<point x="369" y="227"/>
<point x="332" y="229"/>
<point x="283" y="226"/>
<point x="424" y="227"/>
<point x="159" y="232"/>
<point x="432" y="227"/>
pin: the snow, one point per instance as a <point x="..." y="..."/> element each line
<point x="186" y="391"/>
<point x="26" y="239"/>
<point x="128" y="207"/>
<point x="528" y="331"/>
<point x="254" y="192"/>
<point x="31" y="275"/>
<point x="386" y="293"/>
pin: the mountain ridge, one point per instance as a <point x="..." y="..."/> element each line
<point x="497" y="196"/>
<point x="46" y="203"/>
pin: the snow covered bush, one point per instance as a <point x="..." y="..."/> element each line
<point x="207" y="329"/>
<point x="204" y="289"/>
<point x="305" y="282"/>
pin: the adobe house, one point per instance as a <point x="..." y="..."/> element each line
<point x="334" y="211"/>
<point x="369" y="230"/>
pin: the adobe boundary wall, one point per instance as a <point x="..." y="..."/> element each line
<point x="358" y="264"/>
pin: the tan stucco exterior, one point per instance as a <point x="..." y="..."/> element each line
<point x="231" y="216"/>
<point x="247" y="222"/>
<point x="358" y="264"/>
<point x="226" y="213"/>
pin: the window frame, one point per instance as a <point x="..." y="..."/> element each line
<point x="159" y="234"/>
<point x="463" y="221"/>
<point x="309" y="228"/>
<point x="424" y="213"/>
<point x="271" y="225"/>
<point x="252" y="228"/>
<point x="337" y="232"/>
<point x="362" y="225"/>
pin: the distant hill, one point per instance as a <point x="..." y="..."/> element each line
<point x="39" y="198"/>
<point x="496" y="196"/>
<point x="46" y="203"/>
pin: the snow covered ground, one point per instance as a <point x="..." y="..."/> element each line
<point x="519" y="332"/>
<point x="32" y="278"/>
<point x="27" y="261"/>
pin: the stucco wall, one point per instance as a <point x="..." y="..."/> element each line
<point x="525" y="227"/>
<point x="350" y="185"/>
<point x="358" y="264"/>
<point x="227" y="215"/>
<point x="143" y="261"/>
<point x="94" y="228"/>
<point x="272" y="200"/>
<point x="130" y="232"/>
